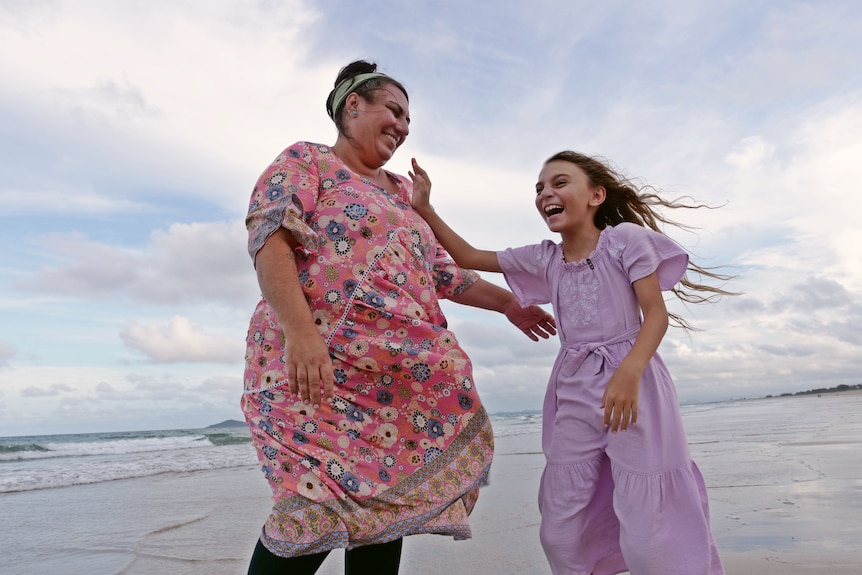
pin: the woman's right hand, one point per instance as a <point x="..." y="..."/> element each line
<point x="308" y="366"/>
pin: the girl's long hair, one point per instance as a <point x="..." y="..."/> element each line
<point x="626" y="201"/>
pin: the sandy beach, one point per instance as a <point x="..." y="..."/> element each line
<point x="784" y="478"/>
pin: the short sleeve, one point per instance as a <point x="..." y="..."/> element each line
<point x="285" y="195"/>
<point x="525" y="270"/>
<point x="449" y="279"/>
<point x="644" y="251"/>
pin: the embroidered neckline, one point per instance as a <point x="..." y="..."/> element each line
<point x="595" y="256"/>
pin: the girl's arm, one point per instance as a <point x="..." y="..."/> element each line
<point x="620" y="400"/>
<point x="308" y="366"/>
<point x="534" y="321"/>
<point x="464" y="254"/>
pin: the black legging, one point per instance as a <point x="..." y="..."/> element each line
<point x="380" y="559"/>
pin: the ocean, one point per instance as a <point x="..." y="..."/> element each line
<point x="783" y="477"/>
<point x="52" y="461"/>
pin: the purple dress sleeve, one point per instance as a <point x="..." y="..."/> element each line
<point x="643" y="251"/>
<point x="525" y="270"/>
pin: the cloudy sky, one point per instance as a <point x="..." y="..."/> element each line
<point x="131" y="134"/>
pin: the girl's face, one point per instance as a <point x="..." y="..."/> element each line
<point x="564" y="197"/>
<point x="381" y="126"/>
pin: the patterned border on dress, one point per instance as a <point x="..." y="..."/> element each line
<point x="400" y="528"/>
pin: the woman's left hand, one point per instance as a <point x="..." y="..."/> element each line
<point x="532" y="320"/>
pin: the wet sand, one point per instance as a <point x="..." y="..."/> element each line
<point x="785" y="479"/>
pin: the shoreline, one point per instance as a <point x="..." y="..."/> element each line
<point x="784" y="487"/>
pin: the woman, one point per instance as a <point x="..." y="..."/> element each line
<point x="361" y="403"/>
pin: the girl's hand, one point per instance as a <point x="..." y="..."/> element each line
<point x="532" y="320"/>
<point x="421" y="198"/>
<point x="620" y="400"/>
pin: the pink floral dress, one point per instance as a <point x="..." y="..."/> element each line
<point x="404" y="444"/>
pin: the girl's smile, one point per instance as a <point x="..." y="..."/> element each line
<point x="565" y="197"/>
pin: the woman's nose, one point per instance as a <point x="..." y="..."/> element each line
<point x="403" y="127"/>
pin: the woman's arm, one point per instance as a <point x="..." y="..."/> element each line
<point x="620" y="400"/>
<point x="532" y="320"/>
<point x="308" y="366"/>
<point x="464" y="254"/>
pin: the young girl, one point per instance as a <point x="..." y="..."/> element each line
<point x="619" y="491"/>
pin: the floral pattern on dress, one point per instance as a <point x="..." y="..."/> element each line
<point x="579" y="300"/>
<point x="404" y="444"/>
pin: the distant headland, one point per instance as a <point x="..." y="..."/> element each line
<point x="227" y="423"/>
<point x="836" y="389"/>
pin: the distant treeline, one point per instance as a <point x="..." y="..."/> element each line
<point x="835" y="389"/>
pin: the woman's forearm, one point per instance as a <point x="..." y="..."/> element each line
<point x="307" y="364"/>
<point x="485" y="295"/>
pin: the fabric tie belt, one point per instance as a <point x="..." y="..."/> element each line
<point x="575" y="354"/>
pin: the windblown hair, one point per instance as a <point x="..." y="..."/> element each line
<point x="627" y="201"/>
<point x="366" y="90"/>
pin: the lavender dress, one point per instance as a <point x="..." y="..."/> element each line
<point x="628" y="501"/>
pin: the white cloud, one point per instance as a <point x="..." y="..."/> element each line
<point x="189" y="263"/>
<point x="182" y="342"/>
<point x="156" y="99"/>
<point x="752" y="151"/>
<point x="49" y="391"/>
<point x="7" y="353"/>
<point x="130" y="136"/>
<point x="67" y="202"/>
<point x="92" y="398"/>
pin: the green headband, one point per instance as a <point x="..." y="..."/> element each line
<point x="348" y="85"/>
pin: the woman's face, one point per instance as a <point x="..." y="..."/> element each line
<point x="380" y="126"/>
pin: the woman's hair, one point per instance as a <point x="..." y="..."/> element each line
<point x="366" y="90"/>
<point x="625" y="201"/>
